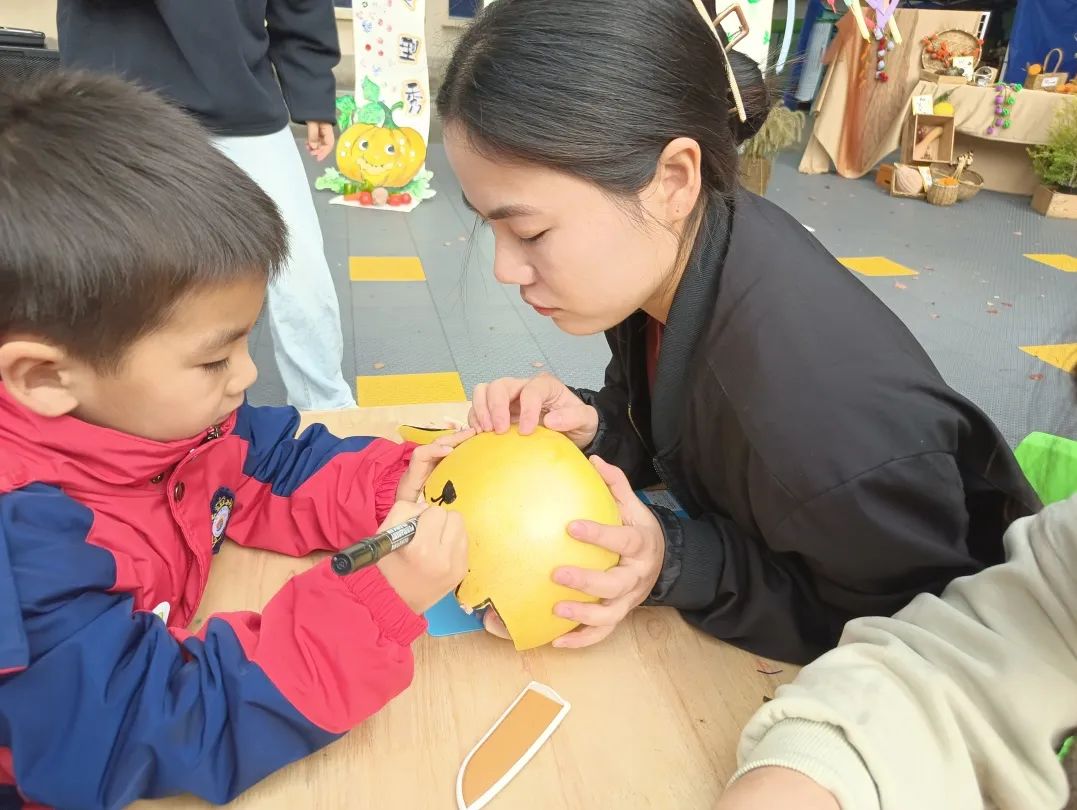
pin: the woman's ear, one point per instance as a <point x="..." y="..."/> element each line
<point x="677" y="181"/>
<point x="38" y="376"/>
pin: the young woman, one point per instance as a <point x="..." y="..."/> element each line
<point x="823" y="468"/>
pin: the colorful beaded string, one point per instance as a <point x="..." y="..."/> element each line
<point x="1005" y="97"/>
<point x="885" y="44"/>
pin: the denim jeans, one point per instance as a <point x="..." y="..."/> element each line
<point x="301" y="309"/>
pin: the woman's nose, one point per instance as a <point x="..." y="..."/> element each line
<point x="511" y="266"/>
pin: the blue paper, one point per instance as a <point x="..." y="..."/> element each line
<point x="447" y="618"/>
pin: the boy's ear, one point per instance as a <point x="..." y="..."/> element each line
<point x="38" y="376"/>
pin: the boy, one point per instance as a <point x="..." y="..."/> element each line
<point x="134" y="259"/>
<point x="241" y="67"/>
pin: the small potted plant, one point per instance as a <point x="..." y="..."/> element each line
<point x="781" y="130"/>
<point x="1055" y="163"/>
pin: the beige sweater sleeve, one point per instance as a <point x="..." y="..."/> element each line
<point x="957" y="702"/>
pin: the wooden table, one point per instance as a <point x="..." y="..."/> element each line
<point x="656" y="708"/>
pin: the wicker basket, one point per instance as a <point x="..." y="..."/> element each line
<point x="959" y="41"/>
<point x="942" y="195"/>
<point x="970" y="183"/>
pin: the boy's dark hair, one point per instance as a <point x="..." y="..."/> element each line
<point x="113" y="206"/>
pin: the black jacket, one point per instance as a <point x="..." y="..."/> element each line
<point x="214" y="58"/>
<point x="827" y="469"/>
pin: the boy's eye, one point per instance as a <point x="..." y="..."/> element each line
<point x="217" y="365"/>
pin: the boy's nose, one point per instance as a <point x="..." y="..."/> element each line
<point x="245" y="375"/>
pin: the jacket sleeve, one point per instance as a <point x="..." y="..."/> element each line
<point x="954" y="701"/>
<point x="310" y="492"/>
<point x="123" y="707"/>
<point x="864" y="548"/>
<point x="618" y="441"/>
<point x="304" y="47"/>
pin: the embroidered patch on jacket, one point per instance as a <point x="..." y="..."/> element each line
<point x="224" y="500"/>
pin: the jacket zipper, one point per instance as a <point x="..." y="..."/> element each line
<point x="213" y="433"/>
<point x="654" y="461"/>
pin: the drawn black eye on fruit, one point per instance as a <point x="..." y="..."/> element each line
<point x="447" y="496"/>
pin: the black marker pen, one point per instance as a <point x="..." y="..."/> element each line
<point x="369" y="551"/>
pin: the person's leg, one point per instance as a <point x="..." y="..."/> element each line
<point x="303" y="312"/>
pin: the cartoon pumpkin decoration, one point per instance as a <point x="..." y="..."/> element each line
<point x="517" y="495"/>
<point x="381" y="155"/>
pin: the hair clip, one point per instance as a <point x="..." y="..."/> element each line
<point x="725" y="43"/>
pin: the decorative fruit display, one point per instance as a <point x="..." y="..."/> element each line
<point x="940" y="50"/>
<point x="942" y="104"/>
<point x="379" y="163"/>
<point x="1005" y="98"/>
<point x="375" y="152"/>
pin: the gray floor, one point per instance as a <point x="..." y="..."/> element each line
<point x="970" y="259"/>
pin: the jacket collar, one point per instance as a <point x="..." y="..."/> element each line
<point x="69" y="452"/>
<point x="692" y="309"/>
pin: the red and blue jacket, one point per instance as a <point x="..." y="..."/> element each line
<point x="106" y="544"/>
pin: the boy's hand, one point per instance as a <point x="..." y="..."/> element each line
<point x="434" y="562"/>
<point x="320" y="139"/>
<point x="423" y="461"/>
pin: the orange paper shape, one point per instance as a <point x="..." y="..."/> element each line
<point x="504" y="750"/>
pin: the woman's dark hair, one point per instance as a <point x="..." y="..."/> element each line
<point x="598" y="89"/>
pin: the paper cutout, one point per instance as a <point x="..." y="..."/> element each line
<point x="504" y="750"/>
<point x="448" y="618"/>
<point x="423" y="435"/>
<point x="385" y="126"/>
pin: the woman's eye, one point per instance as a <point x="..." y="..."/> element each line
<point x="532" y="239"/>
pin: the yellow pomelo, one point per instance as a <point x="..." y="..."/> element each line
<point x="517" y="495"/>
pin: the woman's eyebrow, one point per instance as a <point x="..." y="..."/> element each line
<point x="502" y="212"/>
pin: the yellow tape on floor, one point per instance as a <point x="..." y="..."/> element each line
<point x="1059" y="261"/>
<point x="385" y="268"/>
<point x="876" y="266"/>
<point x="1059" y="355"/>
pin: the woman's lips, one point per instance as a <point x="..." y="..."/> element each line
<point x="543" y="311"/>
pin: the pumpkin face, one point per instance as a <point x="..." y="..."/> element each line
<point x="517" y="495"/>
<point x="381" y="157"/>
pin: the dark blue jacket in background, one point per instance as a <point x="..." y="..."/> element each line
<point x="214" y="58"/>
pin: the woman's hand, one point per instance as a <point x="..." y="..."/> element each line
<point x="543" y="399"/>
<point x="424" y="459"/>
<point x="642" y="547"/>
<point x="640" y="543"/>
<point x="774" y="788"/>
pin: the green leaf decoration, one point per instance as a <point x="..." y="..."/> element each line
<point x="371" y="91"/>
<point x="373" y="113"/>
<point x="419" y="187"/>
<point x="346" y="107"/>
<point x="332" y="180"/>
